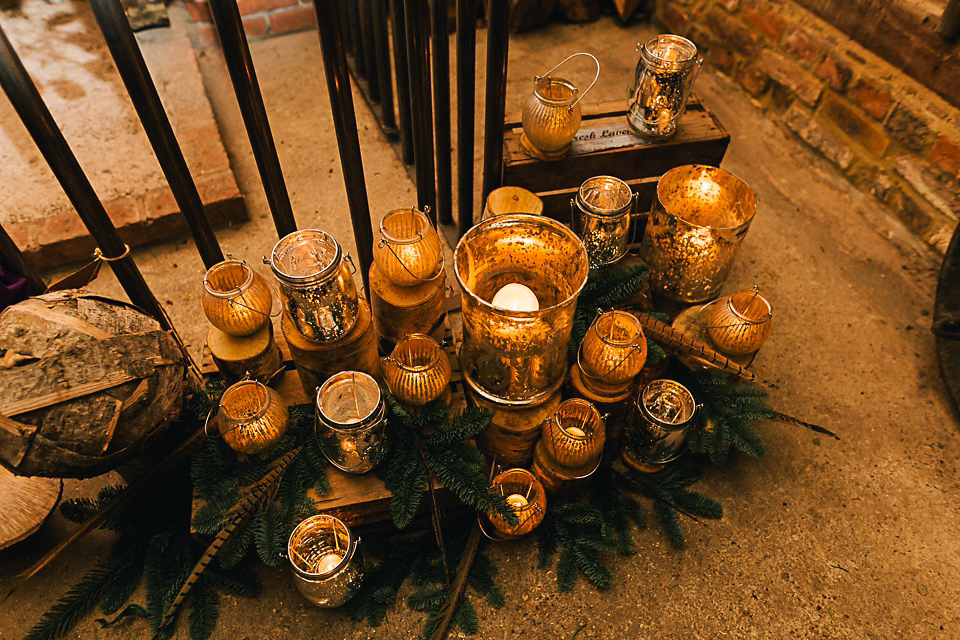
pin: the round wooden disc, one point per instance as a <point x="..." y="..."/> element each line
<point x="25" y="502"/>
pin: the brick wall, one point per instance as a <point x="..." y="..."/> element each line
<point x="261" y="18"/>
<point x="887" y="133"/>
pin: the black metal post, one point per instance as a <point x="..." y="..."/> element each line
<point x="348" y="43"/>
<point x="143" y="93"/>
<point x="403" y="80"/>
<point x="418" y="56"/>
<point x="466" y="111"/>
<point x="345" y="124"/>
<point x="12" y="260"/>
<point x="498" y="31"/>
<point x="356" y="35"/>
<point x="226" y="18"/>
<point x="382" y="46"/>
<point x="369" y="49"/>
<point x="43" y="129"/>
<point x="441" y="111"/>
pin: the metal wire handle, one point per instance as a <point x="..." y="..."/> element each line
<point x="561" y="63"/>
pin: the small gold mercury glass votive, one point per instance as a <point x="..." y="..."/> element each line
<point x="236" y="299"/>
<point x="613" y="351"/>
<point x="574" y="434"/>
<point x="666" y="68"/>
<point x="417" y="371"/>
<point x="740" y="323"/>
<point x="315" y="284"/>
<point x="326" y="561"/>
<point x="408" y="250"/>
<point x="526" y="497"/>
<point x="351" y="417"/>
<point x="697" y="223"/>
<point x="665" y="412"/>
<point x="551" y="115"/>
<point x="253" y="417"/>
<point x="601" y="217"/>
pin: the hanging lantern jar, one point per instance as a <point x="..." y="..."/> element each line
<point x="601" y="217"/>
<point x="253" y="417"/>
<point x="408" y="251"/>
<point x="698" y="220"/>
<point x="503" y="200"/>
<point x="526" y="497"/>
<point x="351" y="417"/>
<point x="315" y="284"/>
<point x="665" y="70"/>
<point x="613" y="351"/>
<point x="551" y="116"/>
<point x="519" y="276"/>
<point x="326" y="561"/>
<point x="574" y="434"/>
<point x="740" y="323"/>
<point x="665" y="412"/>
<point x="417" y="371"/>
<point x="236" y="299"/>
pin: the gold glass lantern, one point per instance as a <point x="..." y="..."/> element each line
<point x="236" y="299"/>
<point x="417" y="371"/>
<point x="519" y="278"/>
<point x="408" y="250"/>
<point x="315" y="284"/>
<point x="351" y="416"/>
<point x="666" y="69"/>
<point x="326" y="561"/>
<point x="613" y="351"/>
<point x="526" y="497"/>
<point x="739" y="324"/>
<point x="665" y="412"/>
<point x="503" y="200"/>
<point x="253" y="417"/>
<point x="551" y="116"/>
<point x="574" y="434"/>
<point x="601" y="217"/>
<point x="697" y="222"/>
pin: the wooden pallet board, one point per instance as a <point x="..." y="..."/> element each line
<point x="604" y="146"/>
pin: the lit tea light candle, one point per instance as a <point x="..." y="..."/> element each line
<point x="328" y="563"/>
<point x="516" y="297"/>
<point x="576" y="432"/>
<point x="516" y="500"/>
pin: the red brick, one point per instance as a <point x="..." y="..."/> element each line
<point x="800" y="45"/>
<point x="203" y="148"/>
<point x="788" y="73"/>
<point x="248" y="7"/>
<point x="765" y="21"/>
<point x="205" y="36"/>
<point x="292" y="19"/>
<point x="255" y="26"/>
<point x="752" y="79"/>
<point x="871" y="98"/>
<point x="62" y="238"/>
<point x="732" y="33"/>
<point x="946" y="155"/>
<point x="857" y="127"/>
<point x="908" y="127"/>
<point x="729" y="5"/>
<point x="675" y="19"/>
<point x="124" y="211"/>
<point x="199" y="11"/>
<point x="722" y="59"/>
<point x="836" y="73"/>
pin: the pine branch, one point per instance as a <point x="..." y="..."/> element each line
<point x="453" y="601"/>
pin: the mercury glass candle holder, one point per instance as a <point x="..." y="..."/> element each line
<point x="315" y="284"/>
<point x="601" y="217"/>
<point x="417" y="371"/>
<point x="408" y="250"/>
<point x="665" y="71"/>
<point x="665" y="412"/>
<point x="740" y="323"/>
<point x="503" y="200"/>
<point x="518" y="357"/>
<point x="574" y="434"/>
<point x="326" y="561"/>
<point x="253" y="417"/>
<point x="613" y="351"/>
<point x="351" y="417"/>
<point x="236" y="299"/>
<point x="551" y="115"/>
<point x="526" y="497"/>
<point x="697" y="223"/>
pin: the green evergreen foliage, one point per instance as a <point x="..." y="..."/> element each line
<point x="604" y="289"/>
<point x="726" y="417"/>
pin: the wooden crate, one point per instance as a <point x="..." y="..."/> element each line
<point x="606" y="146"/>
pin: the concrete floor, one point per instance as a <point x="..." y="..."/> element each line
<point x="847" y="539"/>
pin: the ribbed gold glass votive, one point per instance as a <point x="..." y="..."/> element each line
<point x="613" y="351"/>
<point x="417" y="371"/>
<point x="407" y="251"/>
<point x="740" y="323"/>
<point x="236" y="299"/>
<point x="526" y="497"/>
<point x="551" y="115"/>
<point x="253" y="417"/>
<point x="574" y="434"/>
